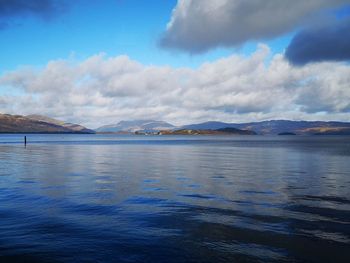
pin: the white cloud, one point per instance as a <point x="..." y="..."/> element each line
<point x="102" y="90"/>
<point x="199" y="25"/>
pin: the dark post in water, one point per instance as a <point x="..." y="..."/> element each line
<point x="25" y="140"/>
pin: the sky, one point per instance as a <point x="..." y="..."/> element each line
<point x="97" y="62"/>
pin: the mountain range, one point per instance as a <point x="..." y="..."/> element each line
<point x="272" y="127"/>
<point x="42" y="124"/>
<point x="222" y="131"/>
<point x="136" y="125"/>
<point x="37" y="124"/>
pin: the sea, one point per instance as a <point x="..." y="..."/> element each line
<point x="122" y="198"/>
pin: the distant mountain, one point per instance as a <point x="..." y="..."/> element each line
<point x="222" y="131"/>
<point x="137" y="125"/>
<point x="209" y="125"/>
<point x="287" y="133"/>
<point x="230" y="130"/>
<point x="274" y="127"/>
<point x="29" y="124"/>
<point x="71" y="126"/>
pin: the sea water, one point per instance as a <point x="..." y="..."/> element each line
<point x="109" y="198"/>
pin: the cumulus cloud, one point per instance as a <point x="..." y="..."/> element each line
<point x="103" y="90"/>
<point x="199" y="25"/>
<point x="321" y="43"/>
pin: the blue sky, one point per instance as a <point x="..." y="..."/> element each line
<point x="97" y="62"/>
<point x="113" y="27"/>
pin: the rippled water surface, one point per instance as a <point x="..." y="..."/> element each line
<point x="105" y="198"/>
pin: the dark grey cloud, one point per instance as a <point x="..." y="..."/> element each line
<point x="40" y="8"/>
<point x="199" y="25"/>
<point x="329" y="42"/>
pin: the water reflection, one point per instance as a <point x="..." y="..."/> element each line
<point x="175" y="200"/>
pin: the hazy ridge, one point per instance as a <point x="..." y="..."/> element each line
<point x="43" y="124"/>
<point x="37" y="124"/>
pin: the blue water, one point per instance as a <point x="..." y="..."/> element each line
<point x="107" y="198"/>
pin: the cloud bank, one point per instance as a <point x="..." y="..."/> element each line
<point x="321" y="43"/>
<point x="199" y="25"/>
<point x="102" y="90"/>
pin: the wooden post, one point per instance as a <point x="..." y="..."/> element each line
<point x="25" y="140"/>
